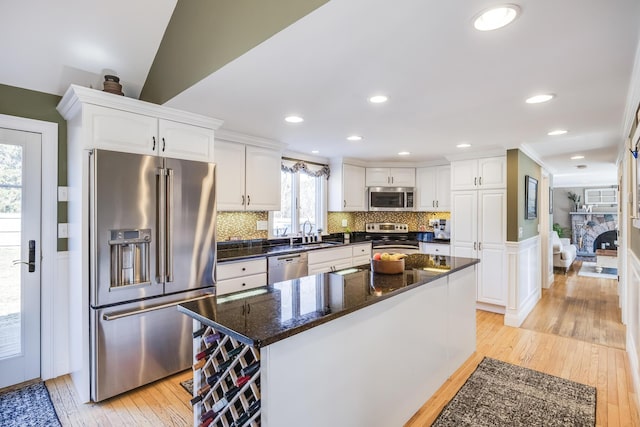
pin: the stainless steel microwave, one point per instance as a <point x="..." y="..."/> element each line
<point x="391" y="198"/>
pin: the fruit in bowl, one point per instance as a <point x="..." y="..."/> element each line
<point x="387" y="263"/>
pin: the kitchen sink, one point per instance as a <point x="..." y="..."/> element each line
<point x="315" y="245"/>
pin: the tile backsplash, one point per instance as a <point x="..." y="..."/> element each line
<point x="357" y="220"/>
<point x="242" y="225"/>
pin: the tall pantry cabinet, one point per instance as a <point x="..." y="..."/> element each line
<point x="479" y="225"/>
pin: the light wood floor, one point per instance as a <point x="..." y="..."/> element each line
<point x="165" y="403"/>
<point x="585" y="308"/>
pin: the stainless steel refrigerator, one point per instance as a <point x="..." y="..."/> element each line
<point x="152" y="240"/>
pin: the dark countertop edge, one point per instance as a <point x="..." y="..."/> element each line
<point x="317" y="322"/>
<point x="287" y="252"/>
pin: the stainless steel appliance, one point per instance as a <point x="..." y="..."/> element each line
<point x="152" y="239"/>
<point x="390" y="198"/>
<point x="287" y="267"/>
<point x="391" y="238"/>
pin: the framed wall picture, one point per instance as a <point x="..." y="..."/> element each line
<point x="530" y="197"/>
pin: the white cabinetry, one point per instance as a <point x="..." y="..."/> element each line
<point x="478" y="230"/>
<point x="396" y="177"/>
<point x="248" y="177"/>
<point x="434" y="188"/>
<point x="234" y="276"/>
<point x="361" y="254"/>
<point x="490" y="172"/>
<point x="435" y="248"/>
<point x="131" y="132"/>
<point x="326" y="260"/>
<point x="347" y="190"/>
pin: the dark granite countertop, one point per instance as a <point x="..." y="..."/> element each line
<point x="268" y="314"/>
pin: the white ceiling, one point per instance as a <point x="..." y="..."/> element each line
<point x="446" y="82"/>
<point x="48" y="45"/>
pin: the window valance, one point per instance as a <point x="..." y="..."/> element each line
<point x="308" y="168"/>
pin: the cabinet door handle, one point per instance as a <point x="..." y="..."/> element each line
<point x="344" y="203"/>
<point x="475" y="246"/>
<point x="479" y="246"/>
<point x="433" y="203"/>
<point x="248" y="200"/>
<point x="480" y="181"/>
<point x="164" y="144"/>
<point x="475" y="181"/>
<point x="154" y="144"/>
<point x="243" y="200"/>
<point x="437" y="204"/>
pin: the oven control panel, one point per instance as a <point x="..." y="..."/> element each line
<point x="386" y="227"/>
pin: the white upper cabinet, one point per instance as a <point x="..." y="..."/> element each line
<point x="347" y="189"/>
<point x="390" y="177"/>
<point x="486" y="173"/>
<point x="248" y="177"/>
<point x="433" y="187"/>
<point x="183" y="141"/>
<point x="117" y="123"/>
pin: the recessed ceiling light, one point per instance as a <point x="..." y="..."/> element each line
<point x="537" y="99"/>
<point x="496" y="17"/>
<point x="577" y="157"/>
<point x="378" y="99"/>
<point x="354" y="138"/>
<point x="557" y="132"/>
<point x="315" y="151"/>
<point x="463" y="145"/>
<point x="294" y="119"/>
<point x="403" y="153"/>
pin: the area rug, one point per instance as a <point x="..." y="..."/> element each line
<point x="188" y="385"/>
<point x="28" y="406"/>
<point x="502" y="394"/>
<point x="588" y="269"/>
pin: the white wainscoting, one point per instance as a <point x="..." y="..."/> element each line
<point x="633" y="317"/>
<point x="55" y="320"/>
<point x="523" y="279"/>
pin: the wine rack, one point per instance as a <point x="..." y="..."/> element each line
<point x="225" y="394"/>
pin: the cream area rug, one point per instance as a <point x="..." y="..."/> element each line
<point x="588" y="269"/>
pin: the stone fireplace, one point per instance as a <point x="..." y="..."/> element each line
<point x="587" y="226"/>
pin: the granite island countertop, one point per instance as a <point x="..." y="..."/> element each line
<point x="265" y="315"/>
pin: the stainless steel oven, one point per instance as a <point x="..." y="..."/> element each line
<point x="391" y="238"/>
<point x="391" y="199"/>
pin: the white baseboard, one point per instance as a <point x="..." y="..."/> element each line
<point x="500" y="309"/>
<point x="515" y="318"/>
<point x="632" y="353"/>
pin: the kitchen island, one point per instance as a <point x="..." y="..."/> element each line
<point x="347" y="348"/>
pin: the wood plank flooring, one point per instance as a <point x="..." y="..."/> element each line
<point x="577" y="356"/>
<point x="585" y="308"/>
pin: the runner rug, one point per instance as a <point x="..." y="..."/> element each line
<point x="28" y="406"/>
<point x="502" y="394"/>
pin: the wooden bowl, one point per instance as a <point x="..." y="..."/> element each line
<point x="387" y="267"/>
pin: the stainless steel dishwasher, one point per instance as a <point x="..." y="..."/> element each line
<point x="287" y="267"/>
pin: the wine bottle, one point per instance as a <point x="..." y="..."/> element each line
<point x="241" y="420"/>
<point x="199" y="332"/>
<point x="224" y="365"/>
<point x="206" y="422"/>
<point x="199" y="364"/>
<point x="254" y="407"/>
<point x="213" y="378"/>
<point x="231" y="392"/>
<point x="204" y="353"/>
<point x="196" y="399"/>
<point x="251" y="369"/>
<point x="236" y="351"/>
<point x="209" y="414"/>
<point x="242" y="380"/>
<point x="220" y="404"/>
<point x="209" y="339"/>
<point x="204" y="389"/>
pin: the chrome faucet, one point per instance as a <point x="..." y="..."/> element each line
<point x="306" y="236"/>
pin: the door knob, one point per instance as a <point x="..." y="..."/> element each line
<point x="32" y="257"/>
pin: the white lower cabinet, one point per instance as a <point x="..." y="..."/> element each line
<point x="434" y="248"/>
<point x="234" y="276"/>
<point x="361" y="254"/>
<point x="327" y="260"/>
<point x="478" y="230"/>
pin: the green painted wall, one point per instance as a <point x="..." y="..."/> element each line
<point x="518" y="166"/>
<point x="40" y="106"/>
<point x="204" y="35"/>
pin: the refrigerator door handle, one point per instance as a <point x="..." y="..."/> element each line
<point x="109" y="317"/>
<point x="169" y="232"/>
<point x="162" y="224"/>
